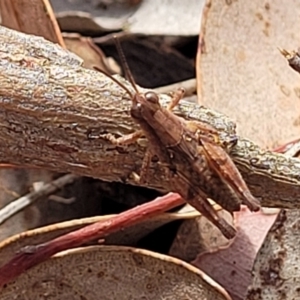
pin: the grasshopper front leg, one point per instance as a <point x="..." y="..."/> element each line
<point x="130" y="139"/>
<point x="123" y="140"/>
<point x="176" y="97"/>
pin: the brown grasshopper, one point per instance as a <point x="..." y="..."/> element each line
<point x="197" y="163"/>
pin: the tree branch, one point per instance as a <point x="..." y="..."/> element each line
<point x="53" y="111"/>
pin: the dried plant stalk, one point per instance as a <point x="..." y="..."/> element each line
<point x="52" y="112"/>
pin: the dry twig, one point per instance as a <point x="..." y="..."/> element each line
<point x="47" y="189"/>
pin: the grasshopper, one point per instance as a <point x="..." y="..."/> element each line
<point x="197" y="164"/>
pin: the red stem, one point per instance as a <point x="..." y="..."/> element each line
<point x="30" y="256"/>
<point x="284" y="148"/>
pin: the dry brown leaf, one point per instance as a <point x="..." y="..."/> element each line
<point x="276" y="272"/>
<point x="32" y="17"/>
<point x="232" y="265"/>
<point x="241" y="71"/>
<point x="110" y="272"/>
<point x="91" y="54"/>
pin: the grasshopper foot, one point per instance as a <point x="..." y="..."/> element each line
<point x="123" y="140"/>
<point x="252" y="203"/>
<point x="176" y="97"/>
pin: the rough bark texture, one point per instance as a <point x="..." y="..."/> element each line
<point x="52" y="112"/>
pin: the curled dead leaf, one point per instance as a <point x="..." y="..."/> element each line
<point x="114" y="272"/>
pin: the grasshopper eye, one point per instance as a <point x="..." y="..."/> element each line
<point x="152" y="97"/>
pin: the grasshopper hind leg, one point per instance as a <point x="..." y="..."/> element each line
<point x="205" y="208"/>
<point x="199" y="200"/>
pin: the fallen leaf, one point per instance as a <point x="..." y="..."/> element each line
<point x="150" y="17"/>
<point x="157" y="17"/>
<point x="231" y="266"/>
<point x="91" y="54"/>
<point x="241" y="72"/>
<point x="114" y="272"/>
<point x="86" y="17"/>
<point x="18" y="15"/>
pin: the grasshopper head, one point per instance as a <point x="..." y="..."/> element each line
<point x="152" y="98"/>
<point x="151" y="101"/>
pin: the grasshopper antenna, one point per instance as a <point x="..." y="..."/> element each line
<point x="124" y="64"/>
<point x="126" y="68"/>
<point x="115" y="80"/>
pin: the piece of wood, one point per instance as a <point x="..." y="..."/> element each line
<point x="53" y="111"/>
